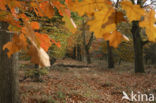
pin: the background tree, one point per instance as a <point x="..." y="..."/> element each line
<point x="107" y="18"/>
<point x="86" y="43"/>
<point x="110" y="58"/>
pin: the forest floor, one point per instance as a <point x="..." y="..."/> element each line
<point x="70" y="81"/>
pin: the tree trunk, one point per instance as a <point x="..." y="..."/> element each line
<point x="8" y="70"/>
<point x="87" y="55"/>
<point x="78" y="57"/>
<point x="138" y="47"/>
<point x="110" y="56"/>
<point x="74" y="53"/>
<point x="87" y="48"/>
<point x="86" y="45"/>
<point x="120" y="61"/>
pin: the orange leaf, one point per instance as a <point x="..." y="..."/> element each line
<point x="8" y="17"/>
<point x="56" y="43"/>
<point x="23" y="16"/>
<point x="59" y="6"/>
<point x="114" y="38"/>
<point x="17" y="43"/>
<point x="45" y="9"/>
<point x="38" y="43"/>
<point x="67" y="1"/>
<point x="30" y="34"/>
<point x="35" y="25"/>
<point x="44" y="40"/>
<point x="2" y="4"/>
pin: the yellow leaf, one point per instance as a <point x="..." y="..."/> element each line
<point x="116" y="17"/>
<point x="148" y="23"/>
<point x="134" y="12"/>
<point x="113" y="38"/>
<point x="101" y="17"/>
<point x="88" y="6"/>
<point x="109" y="28"/>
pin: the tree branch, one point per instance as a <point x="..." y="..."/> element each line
<point x="133" y="1"/>
<point x="117" y="3"/>
<point x="90" y="40"/>
<point x="145" y="42"/>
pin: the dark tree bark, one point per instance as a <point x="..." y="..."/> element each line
<point x="77" y="52"/>
<point x="87" y="48"/>
<point x="87" y="55"/>
<point x="8" y="70"/>
<point x="86" y="45"/>
<point x="78" y="56"/>
<point x="120" y="60"/>
<point x="110" y="56"/>
<point x="109" y="48"/>
<point x="138" y="47"/>
<point x="74" y="53"/>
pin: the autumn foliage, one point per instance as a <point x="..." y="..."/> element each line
<point x="25" y="37"/>
<point x="105" y="18"/>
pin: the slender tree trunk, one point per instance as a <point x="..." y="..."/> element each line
<point x="87" y="48"/>
<point x="8" y="70"/>
<point x="120" y="61"/>
<point x="78" y="57"/>
<point x="88" y="56"/>
<point x="86" y="45"/>
<point x="138" y="48"/>
<point x="110" y="56"/>
<point x="84" y="40"/>
<point x="74" y="53"/>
